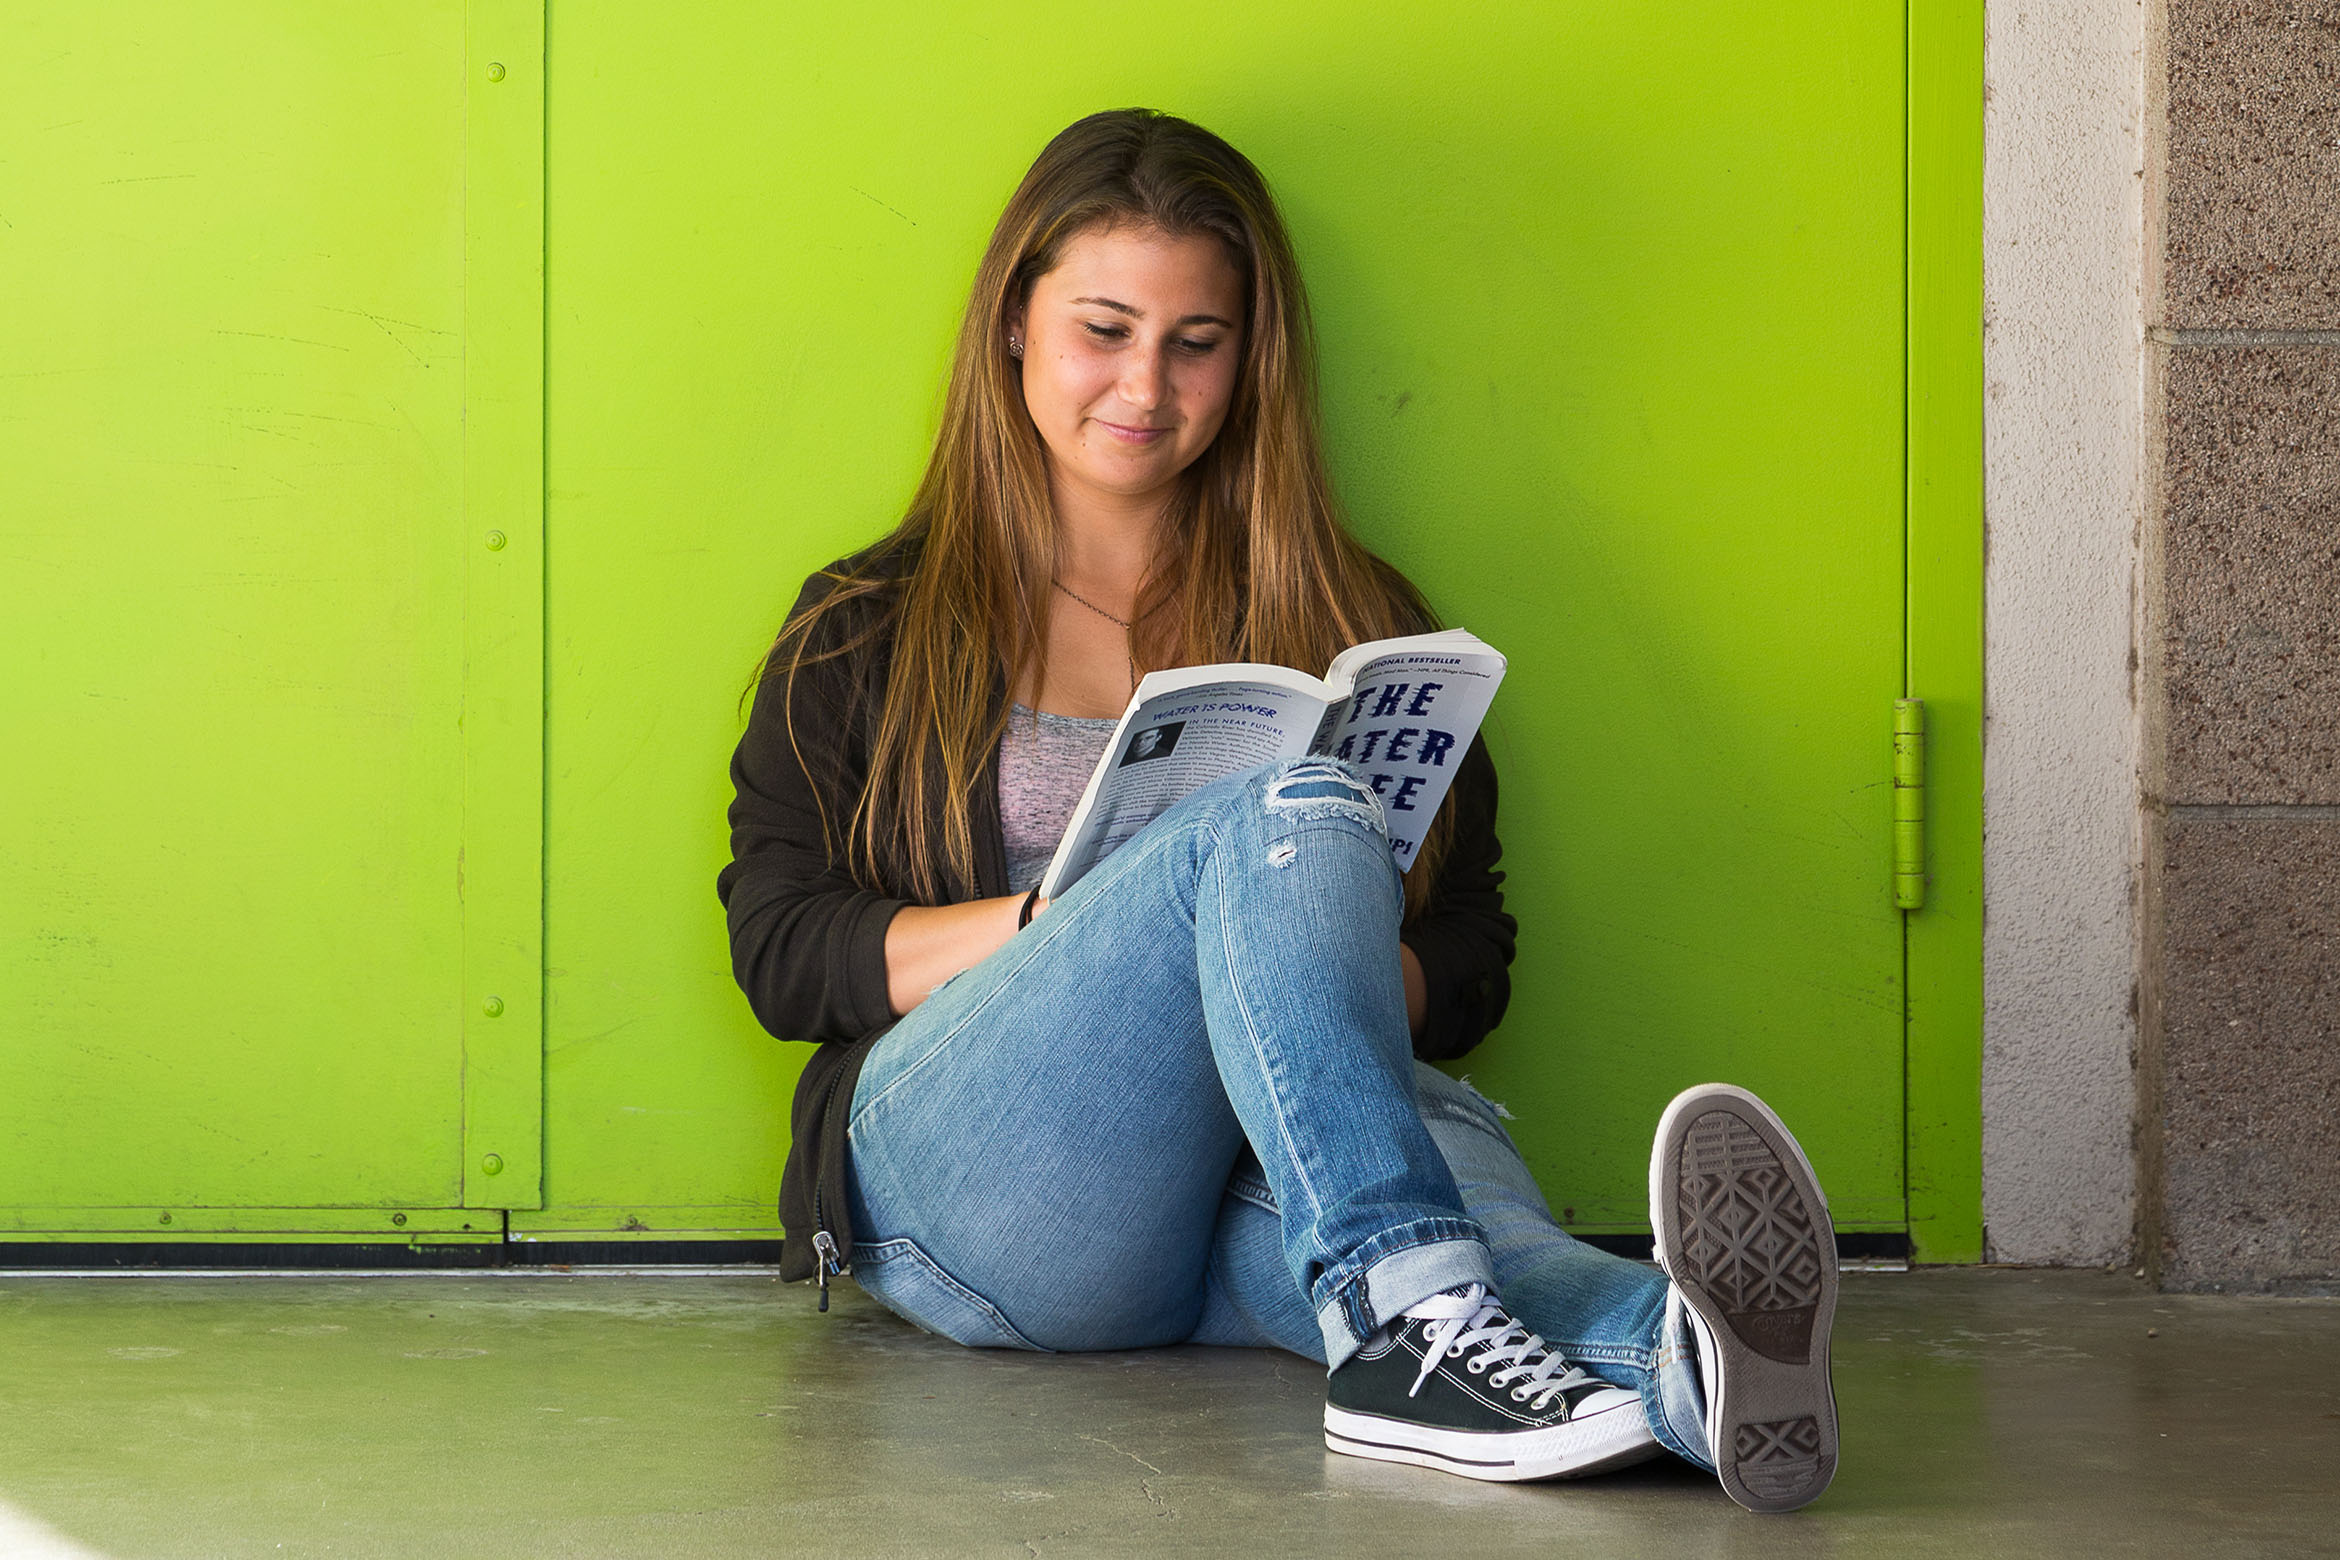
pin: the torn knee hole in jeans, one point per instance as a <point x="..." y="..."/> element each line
<point x="1321" y="791"/>
<point x="1459" y="1100"/>
<point x="1497" y="1106"/>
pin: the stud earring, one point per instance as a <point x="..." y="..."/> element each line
<point x="1015" y="347"/>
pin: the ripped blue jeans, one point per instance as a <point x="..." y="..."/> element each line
<point x="1182" y="1106"/>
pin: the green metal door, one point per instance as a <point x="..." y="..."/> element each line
<point x="427" y="417"/>
<point x="269" y="374"/>
<point x="1615" y="347"/>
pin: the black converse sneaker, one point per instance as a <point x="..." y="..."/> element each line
<point x="1743" y="1232"/>
<point x="1455" y="1383"/>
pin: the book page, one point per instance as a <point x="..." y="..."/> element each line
<point x="1409" y="712"/>
<point x="1183" y="729"/>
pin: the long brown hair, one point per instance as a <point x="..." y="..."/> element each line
<point x="1252" y="565"/>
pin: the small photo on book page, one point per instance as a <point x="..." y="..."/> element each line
<point x="1153" y="742"/>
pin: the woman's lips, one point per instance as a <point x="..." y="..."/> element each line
<point x="1129" y="435"/>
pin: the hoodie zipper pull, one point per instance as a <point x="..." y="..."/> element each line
<point x="825" y="1253"/>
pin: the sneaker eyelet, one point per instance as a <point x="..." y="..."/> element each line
<point x="1519" y="1394"/>
<point x="1476" y="1367"/>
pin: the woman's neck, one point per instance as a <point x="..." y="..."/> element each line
<point x="1105" y="541"/>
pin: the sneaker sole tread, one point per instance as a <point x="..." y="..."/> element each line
<point x="1744" y="1233"/>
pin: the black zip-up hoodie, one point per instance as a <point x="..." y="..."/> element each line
<point x="808" y="935"/>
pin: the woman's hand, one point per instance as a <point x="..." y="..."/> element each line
<point x="926" y="946"/>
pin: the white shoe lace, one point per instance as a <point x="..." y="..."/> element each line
<point x="1515" y="1358"/>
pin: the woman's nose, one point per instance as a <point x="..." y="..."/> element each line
<point x="1143" y="382"/>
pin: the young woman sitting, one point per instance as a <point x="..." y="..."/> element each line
<point x="1188" y="1101"/>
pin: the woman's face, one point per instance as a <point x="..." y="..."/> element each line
<point x="1130" y="352"/>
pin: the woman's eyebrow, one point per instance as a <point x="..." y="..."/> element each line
<point x="1118" y="307"/>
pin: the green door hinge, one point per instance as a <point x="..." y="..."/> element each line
<point x="1909" y="804"/>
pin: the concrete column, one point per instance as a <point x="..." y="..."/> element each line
<point x="2241" y="947"/>
<point x="2065" y="461"/>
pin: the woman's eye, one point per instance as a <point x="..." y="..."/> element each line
<point x="1191" y="346"/>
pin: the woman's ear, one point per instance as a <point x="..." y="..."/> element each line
<point x="1015" y="331"/>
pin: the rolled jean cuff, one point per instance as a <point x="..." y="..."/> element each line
<point x="1675" y="1397"/>
<point x="1431" y="1256"/>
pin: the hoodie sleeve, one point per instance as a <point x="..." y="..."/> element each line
<point x="808" y="940"/>
<point x="1464" y="940"/>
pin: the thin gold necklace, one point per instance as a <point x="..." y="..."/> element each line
<point x="1122" y="622"/>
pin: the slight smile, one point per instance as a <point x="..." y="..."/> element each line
<point x="1129" y="435"/>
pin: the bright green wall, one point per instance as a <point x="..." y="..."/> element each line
<point x="1615" y="341"/>
<point x="231" y="314"/>
<point x="1611" y="307"/>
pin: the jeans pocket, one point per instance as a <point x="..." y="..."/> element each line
<point x="907" y="1282"/>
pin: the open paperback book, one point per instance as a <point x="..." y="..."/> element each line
<point x="1402" y="710"/>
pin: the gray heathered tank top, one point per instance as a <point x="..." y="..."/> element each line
<point x="1044" y="763"/>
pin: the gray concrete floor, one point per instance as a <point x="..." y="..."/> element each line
<point x="541" y="1415"/>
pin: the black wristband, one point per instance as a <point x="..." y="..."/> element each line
<point x="1024" y="916"/>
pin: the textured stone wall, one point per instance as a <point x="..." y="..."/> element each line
<point x="2240" y="1154"/>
